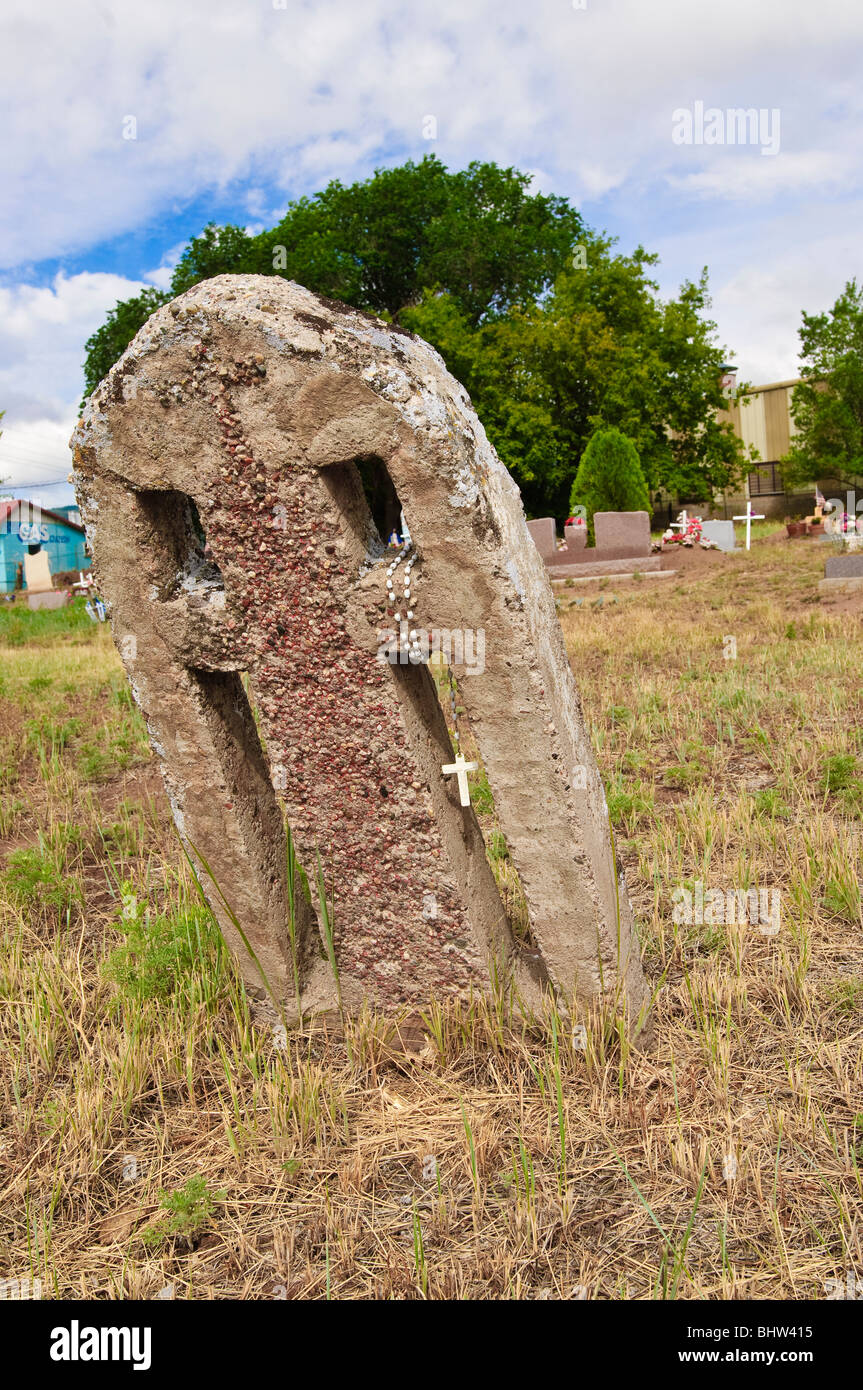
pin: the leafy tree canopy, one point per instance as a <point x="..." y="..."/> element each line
<point x="553" y="334"/>
<point x="827" y="405"/>
<point x="600" y="350"/>
<point x="478" y="235"/>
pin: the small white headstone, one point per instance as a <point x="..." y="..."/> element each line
<point x="37" y="573"/>
<point x="721" y="533"/>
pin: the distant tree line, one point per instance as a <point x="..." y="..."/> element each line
<point x="827" y="405"/>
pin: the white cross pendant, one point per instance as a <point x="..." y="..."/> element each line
<point x="461" y="768"/>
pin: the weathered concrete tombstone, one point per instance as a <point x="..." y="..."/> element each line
<point x="236" y="471"/>
<point x="575" y="537"/>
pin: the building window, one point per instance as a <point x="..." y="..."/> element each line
<point x="765" y="479"/>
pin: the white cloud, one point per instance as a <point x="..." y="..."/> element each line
<point x="223" y="91"/>
<point x="759" y="306"/>
<point x="752" y="179"/>
<point x="764" y="271"/>
<point x="43" y="330"/>
<point x="161" y="276"/>
<point x="36" y="453"/>
<point x="237" y="95"/>
<point x="42" y="334"/>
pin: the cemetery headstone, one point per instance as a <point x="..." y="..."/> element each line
<point x="721" y="533"/>
<point x="844" y="566"/>
<point x="544" y="535"/>
<point x="238" y="471"/>
<point x="575" y="537"/>
<point x="843" y="574"/>
<point x="40" y="588"/>
<point x="622" y="546"/>
<point x="622" y="535"/>
<point x="48" y="598"/>
<point x="37" y="573"/>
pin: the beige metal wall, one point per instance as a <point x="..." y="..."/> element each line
<point x="764" y="423"/>
<point x="764" y="420"/>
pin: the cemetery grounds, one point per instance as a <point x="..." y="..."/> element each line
<point x="164" y="1136"/>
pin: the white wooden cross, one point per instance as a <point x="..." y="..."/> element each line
<point x="748" y="518"/>
<point x="461" y="768"/>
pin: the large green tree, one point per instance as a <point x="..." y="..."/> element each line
<point x="478" y="234"/>
<point x="553" y="334"/>
<point x="602" y="349"/>
<point x="827" y="405"/>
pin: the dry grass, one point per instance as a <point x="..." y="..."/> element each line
<point x="468" y="1155"/>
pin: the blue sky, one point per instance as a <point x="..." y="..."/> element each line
<point x="241" y="105"/>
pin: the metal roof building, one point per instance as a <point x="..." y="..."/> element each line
<point x="25" y="528"/>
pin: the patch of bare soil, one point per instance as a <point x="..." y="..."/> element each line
<point x="692" y="559"/>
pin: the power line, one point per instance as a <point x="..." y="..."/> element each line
<point x="43" y="450"/>
<point x="16" y="438"/>
<point x="33" y="460"/>
<point x="28" y="443"/>
<point x="17" y="487"/>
